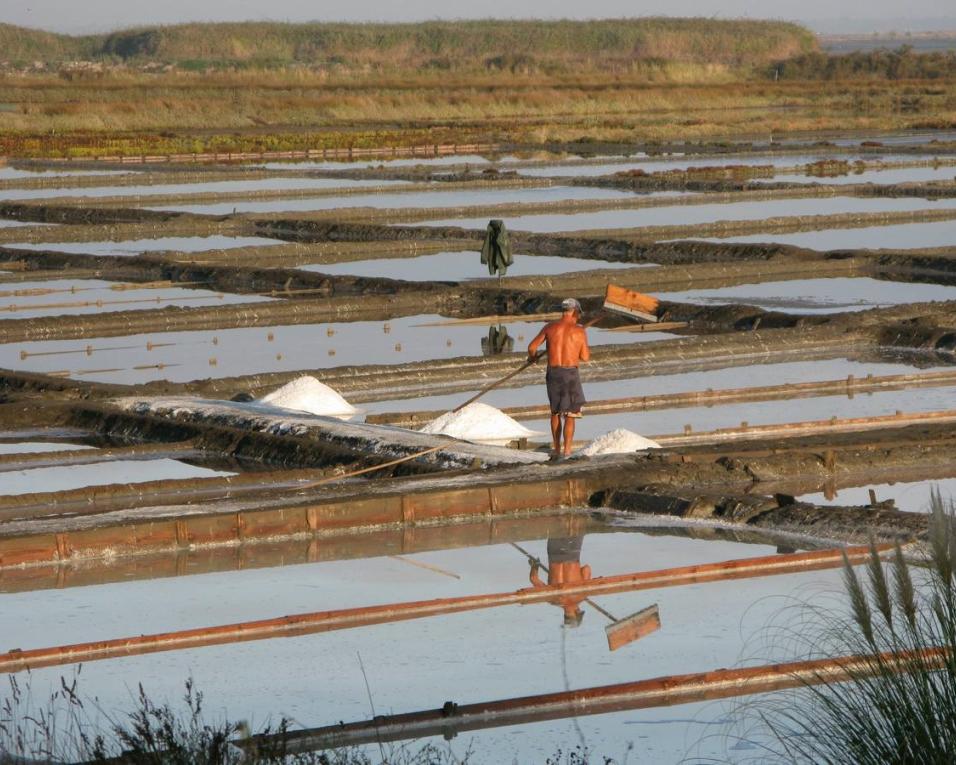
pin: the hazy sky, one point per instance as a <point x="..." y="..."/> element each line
<point x="101" y="15"/>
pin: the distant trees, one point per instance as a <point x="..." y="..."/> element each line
<point x="903" y="63"/>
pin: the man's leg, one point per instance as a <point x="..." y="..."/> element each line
<point x="556" y="432"/>
<point x="568" y="434"/>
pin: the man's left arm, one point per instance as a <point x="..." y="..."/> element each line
<point x="585" y="354"/>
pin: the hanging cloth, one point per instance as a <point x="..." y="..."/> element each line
<point x="496" y="250"/>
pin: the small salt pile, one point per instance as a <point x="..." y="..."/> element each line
<point x="306" y="394"/>
<point x="618" y="441"/>
<point x="478" y="422"/>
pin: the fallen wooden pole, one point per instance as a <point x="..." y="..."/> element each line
<point x="327" y="621"/>
<point x="661" y="326"/>
<point x="806" y="428"/>
<point x="848" y="386"/>
<point x="669" y="690"/>
<point x="496" y="319"/>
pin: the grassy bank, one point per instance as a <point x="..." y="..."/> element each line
<point x="445" y="45"/>
<point x="130" y="113"/>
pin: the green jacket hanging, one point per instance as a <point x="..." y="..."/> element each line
<point x="496" y="250"/>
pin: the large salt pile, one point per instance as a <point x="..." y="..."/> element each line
<point x="478" y="422"/>
<point x="619" y="441"/>
<point x="306" y="394"/>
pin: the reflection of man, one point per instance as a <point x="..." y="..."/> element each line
<point x="567" y="343"/>
<point x="564" y="567"/>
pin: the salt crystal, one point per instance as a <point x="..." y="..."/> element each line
<point x="478" y="422"/>
<point x="618" y="441"/>
<point x="306" y="394"/>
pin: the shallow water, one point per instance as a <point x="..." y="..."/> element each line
<point x="685" y="215"/>
<point x="99" y="474"/>
<point x="703" y="418"/>
<point x="683" y="163"/>
<point x="12" y="173"/>
<point x="882" y="177"/>
<point x="910" y="496"/>
<point x="451" y="159"/>
<point x="818" y="295"/>
<point x="243" y="351"/>
<point x="86" y="296"/>
<point x="231" y="186"/>
<point x="481" y="655"/>
<point x="137" y="246"/>
<point x="899" y="236"/>
<point x="436" y="198"/>
<point x="30" y="447"/>
<point x="731" y="377"/>
<point x="455" y="266"/>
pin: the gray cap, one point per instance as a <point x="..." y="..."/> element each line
<point x="570" y="304"/>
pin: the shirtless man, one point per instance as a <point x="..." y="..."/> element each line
<point x="564" y="567"/>
<point x="567" y="344"/>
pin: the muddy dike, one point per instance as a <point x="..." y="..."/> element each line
<point x="223" y="441"/>
<point x="697" y="276"/>
<point x="851" y="524"/>
<point x="154" y="267"/>
<point x="603" y="248"/>
<point x="880" y="522"/>
<point x="44" y="213"/>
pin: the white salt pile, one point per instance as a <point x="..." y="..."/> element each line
<point x="478" y="422"/>
<point x="618" y="441"/>
<point x="306" y="394"/>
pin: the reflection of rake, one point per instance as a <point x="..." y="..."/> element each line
<point x="90" y="350"/>
<point x="619" y="632"/>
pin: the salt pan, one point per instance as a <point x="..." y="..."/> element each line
<point x="306" y="394"/>
<point x="618" y="441"/>
<point x="478" y="422"/>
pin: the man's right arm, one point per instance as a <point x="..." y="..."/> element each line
<point x="534" y="344"/>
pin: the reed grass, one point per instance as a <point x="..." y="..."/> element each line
<point x="885" y="713"/>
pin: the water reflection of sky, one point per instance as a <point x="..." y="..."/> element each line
<point x="882" y="177"/>
<point x="243" y="351"/>
<point x="229" y="187"/>
<point x="656" y="165"/>
<point x="495" y="653"/>
<point x="436" y="198"/>
<point x="902" y="236"/>
<point x="137" y="246"/>
<point x="730" y="377"/>
<point x="63" y="478"/>
<point x="818" y="295"/>
<point x="685" y="215"/>
<point x="704" y="418"/>
<point x="910" y="496"/>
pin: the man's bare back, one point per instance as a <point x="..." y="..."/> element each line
<point x="567" y="342"/>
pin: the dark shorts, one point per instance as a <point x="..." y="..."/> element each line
<point x="564" y="390"/>
<point x="564" y="549"/>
